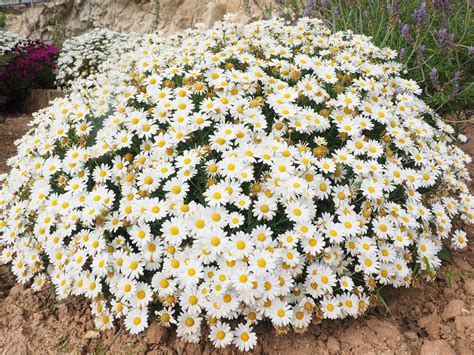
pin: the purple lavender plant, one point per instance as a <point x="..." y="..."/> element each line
<point x="406" y="33"/>
<point x="402" y="54"/>
<point x="419" y="15"/>
<point x="310" y="9"/>
<point x="420" y="53"/>
<point x="443" y="5"/>
<point x="434" y="78"/>
<point x="446" y="40"/>
<point x="394" y="10"/>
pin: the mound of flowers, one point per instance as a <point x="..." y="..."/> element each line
<point x="8" y="40"/>
<point x="84" y="56"/>
<point x="24" y="65"/>
<point x="225" y="177"/>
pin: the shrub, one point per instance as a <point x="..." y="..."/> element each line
<point x="233" y="175"/>
<point x="7" y="41"/>
<point x="26" y="65"/>
<point x="3" y="19"/>
<point x="83" y="56"/>
<point x="435" y="39"/>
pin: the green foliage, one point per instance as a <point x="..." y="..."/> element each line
<point x="434" y="39"/>
<point x="3" y="19"/>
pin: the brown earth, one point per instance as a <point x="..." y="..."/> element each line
<point x="434" y="318"/>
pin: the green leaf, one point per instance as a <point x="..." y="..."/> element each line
<point x="444" y="255"/>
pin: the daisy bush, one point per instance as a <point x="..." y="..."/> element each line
<point x="84" y="56"/>
<point x="8" y="40"/>
<point x="225" y="177"/>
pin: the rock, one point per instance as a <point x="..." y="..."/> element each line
<point x="16" y="292"/>
<point x="436" y="347"/>
<point x="463" y="349"/>
<point x="430" y="324"/>
<point x="17" y="343"/>
<point x="453" y="309"/>
<point x="40" y="98"/>
<point x="214" y="12"/>
<point x="464" y="323"/>
<point x="91" y="334"/>
<point x="62" y="312"/>
<point x="411" y="336"/>
<point x="156" y="334"/>
<point x="73" y="17"/>
<point x="469" y="286"/>
<point x="333" y="345"/>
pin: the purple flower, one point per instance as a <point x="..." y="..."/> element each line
<point x="470" y="50"/>
<point x="394" y="10"/>
<point x="30" y="65"/>
<point x="402" y="54"/>
<point x="420" y="54"/>
<point x="444" y="5"/>
<point x="419" y="15"/>
<point x="406" y="33"/>
<point x="434" y="77"/>
<point x="446" y="40"/>
<point x="456" y="83"/>
<point x="310" y="8"/>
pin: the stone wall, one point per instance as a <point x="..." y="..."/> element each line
<point x="59" y="19"/>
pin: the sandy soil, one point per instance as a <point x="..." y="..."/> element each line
<point x="435" y="318"/>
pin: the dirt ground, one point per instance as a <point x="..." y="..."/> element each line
<point x="435" y="318"/>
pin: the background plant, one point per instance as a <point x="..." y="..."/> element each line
<point x="434" y="39"/>
<point x="82" y="56"/>
<point x="7" y="41"/>
<point x="3" y="19"/>
<point x="25" y="66"/>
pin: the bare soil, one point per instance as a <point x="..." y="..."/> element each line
<point x="434" y="318"/>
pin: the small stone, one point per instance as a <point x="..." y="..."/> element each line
<point x="156" y="334"/>
<point x="62" y="312"/>
<point x="411" y="336"/>
<point x="333" y="345"/>
<point x="436" y="347"/>
<point x="464" y="323"/>
<point x="463" y="349"/>
<point x="430" y="324"/>
<point x="469" y="286"/>
<point x="91" y="334"/>
<point x="453" y="309"/>
<point x="16" y="292"/>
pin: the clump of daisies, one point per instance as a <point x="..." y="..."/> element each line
<point x="84" y="56"/>
<point x="229" y="176"/>
<point x="8" y="40"/>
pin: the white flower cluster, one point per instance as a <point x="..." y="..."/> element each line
<point x="7" y="41"/>
<point x="84" y="56"/>
<point x="232" y="175"/>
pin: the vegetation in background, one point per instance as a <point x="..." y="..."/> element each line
<point x="84" y="56"/>
<point x="434" y="39"/>
<point x="27" y="65"/>
<point x="3" y="19"/>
